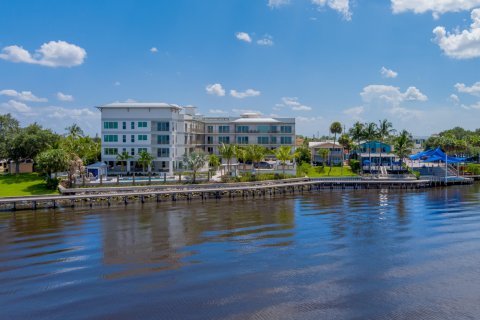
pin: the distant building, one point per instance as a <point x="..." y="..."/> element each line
<point x="168" y="132"/>
<point x="418" y="144"/>
<point x="335" y="152"/>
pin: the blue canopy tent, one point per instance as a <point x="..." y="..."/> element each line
<point x="436" y="155"/>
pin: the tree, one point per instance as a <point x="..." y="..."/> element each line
<point x="241" y="154"/>
<point x="8" y="127"/>
<point x="123" y="158"/>
<point x="195" y="161"/>
<point x="370" y="133"/>
<point x="335" y="128"/>
<point x="284" y="154"/>
<point x="52" y="160"/>
<point x="302" y="155"/>
<point x="227" y="151"/>
<point x="357" y="132"/>
<point x="256" y="153"/>
<point x="403" y="145"/>
<point x="324" y="154"/>
<point x="214" y="161"/>
<point x="145" y="159"/>
<point x="74" y="131"/>
<point x="385" y="129"/>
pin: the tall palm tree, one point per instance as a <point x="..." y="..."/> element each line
<point x="241" y="154"/>
<point x="227" y="151"/>
<point x="256" y="153"/>
<point x="123" y="157"/>
<point x="385" y="129"/>
<point x="74" y="131"/>
<point x="403" y="145"/>
<point x="370" y="133"/>
<point x="357" y="131"/>
<point x="214" y="162"/>
<point x="195" y="161"/>
<point x="324" y="154"/>
<point x="145" y="159"/>
<point x="335" y="128"/>
<point x="284" y="154"/>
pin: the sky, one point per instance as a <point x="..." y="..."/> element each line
<point x="413" y="62"/>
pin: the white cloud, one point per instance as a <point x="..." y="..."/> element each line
<point x="355" y="112"/>
<point x="51" y="54"/>
<point x="215" y="89"/>
<point x="413" y="94"/>
<point x="460" y="45"/>
<point x="342" y="6"/>
<point x="267" y="40"/>
<point x="388" y="73"/>
<point x="153" y="50"/>
<point x="308" y="119"/>
<point x="64" y="97"/>
<point x="437" y="7"/>
<point x="240" y="111"/>
<point x="454" y="98"/>
<point x="474" y="90"/>
<point x="216" y="111"/>
<point x="245" y="94"/>
<point x="391" y="94"/>
<point x="13" y="106"/>
<point x="277" y="3"/>
<point x="293" y="103"/>
<point x="23" y="95"/>
<point x="243" y="36"/>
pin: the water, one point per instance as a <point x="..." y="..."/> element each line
<point x="329" y="255"/>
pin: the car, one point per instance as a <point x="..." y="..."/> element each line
<point x="263" y="165"/>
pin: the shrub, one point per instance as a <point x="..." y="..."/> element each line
<point x="52" y="183"/>
<point x="355" y="165"/>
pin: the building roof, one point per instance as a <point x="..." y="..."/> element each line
<point x="323" y="144"/>
<point x="255" y="120"/>
<point x="140" y="105"/>
<point x="377" y="154"/>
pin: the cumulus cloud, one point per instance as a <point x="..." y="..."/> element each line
<point x="388" y="73"/>
<point x="245" y="94"/>
<point x="391" y="94"/>
<point x="243" y="36"/>
<point x="215" y="89"/>
<point x="23" y="95"/>
<point x="277" y="3"/>
<point x="64" y="97"/>
<point x="454" y="98"/>
<point x="437" y="7"/>
<point x="474" y="90"/>
<point x="216" y="111"/>
<point x="153" y="50"/>
<point x="342" y="6"/>
<point x="460" y="45"/>
<point x="13" y="106"/>
<point x="51" y="54"/>
<point x="413" y="94"/>
<point x="292" y="103"/>
<point x="355" y="112"/>
<point x="267" y="40"/>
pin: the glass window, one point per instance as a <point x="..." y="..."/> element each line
<point x="262" y="140"/>
<point x="242" y="129"/>
<point x="142" y="137"/>
<point x="163" y="153"/>
<point x="110" y="138"/>
<point x="209" y="140"/>
<point x="224" y="129"/>
<point x="142" y="149"/>
<point x="132" y="138"/>
<point x="124" y="138"/>
<point x="163" y="126"/>
<point x="132" y="125"/>
<point x="110" y="125"/>
<point x="142" y="124"/>
<point x="273" y="140"/>
<point x="263" y="129"/>
<point x="285" y="129"/>
<point x="209" y="129"/>
<point x="110" y="151"/>
<point x="163" y="139"/>
<point x="285" y="140"/>
<point x="132" y="151"/>
<point x="124" y="125"/>
<point x="225" y="140"/>
<point x="242" y="140"/>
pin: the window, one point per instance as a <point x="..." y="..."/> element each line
<point x="110" y="125"/>
<point x="124" y="125"/>
<point x="142" y="149"/>
<point x="262" y="140"/>
<point x="124" y="138"/>
<point x="242" y="129"/>
<point x="242" y="140"/>
<point x="124" y="150"/>
<point x="224" y="129"/>
<point x="286" y="129"/>
<point x="132" y="151"/>
<point x="110" y="151"/>
<point x="132" y="125"/>
<point x="209" y="140"/>
<point x="273" y="140"/>
<point x="163" y="126"/>
<point x="209" y="129"/>
<point x="132" y="138"/>
<point x="110" y="138"/>
<point x="273" y="129"/>
<point x="142" y="124"/>
<point x="142" y="137"/>
<point x="263" y="129"/>
<point x="163" y="139"/>
<point x="163" y="153"/>
<point x="285" y="140"/>
<point x="225" y="140"/>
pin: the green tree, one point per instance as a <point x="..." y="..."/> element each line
<point x="385" y="129"/>
<point x="74" y="131"/>
<point x="123" y="159"/>
<point x="357" y="132"/>
<point x="335" y="128"/>
<point x="302" y="155"/>
<point x="256" y="153"/>
<point x="324" y="154"/>
<point x="370" y="133"/>
<point x="195" y="161"/>
<point x="145" y="159"/>
<point x="8" y="127"/>
<point x="403" y="145"/>
<point x="214" y="161"/>
<point x="52" y="160"/>
<point x="242" y="155"/>
<point x="284" y="154"/>
<point x="227" y="152"/>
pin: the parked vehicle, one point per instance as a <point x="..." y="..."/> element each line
<point x="263" y="165"/>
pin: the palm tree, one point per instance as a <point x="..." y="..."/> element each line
<point x="195" y="161"/>
<point x="284" y="154"/>
<point x="335" y="128"/>
<point x="214" y="161"/>
<point x="370" y="133"/>
<point x="74" y="131"/>
<point x="256" y="153"/>
<point x="241" y="154"/>
<point x="227" y="151"/>
<point x="403" y="145"/>
<point x="123" y="157"/>
<point x="323" y="153"/>
<point x="385" y="129"/>
<point x="357" y="131"/>
<point x="145" y="159"/>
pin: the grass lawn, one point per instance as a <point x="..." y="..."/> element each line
<point x="24" y="184"/>
<point x="318" y="172"/>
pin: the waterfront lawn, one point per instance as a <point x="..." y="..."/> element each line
<point x="24" y="184"/>
<point x="320" y="172"/>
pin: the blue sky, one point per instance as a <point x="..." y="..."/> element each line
<point x="317" y="60"/>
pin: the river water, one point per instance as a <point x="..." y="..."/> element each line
<point x="342" y="254"/>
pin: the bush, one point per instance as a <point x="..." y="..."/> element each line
<point x="303" y="169"/>
<point x="355" y="165"/>
<point x="473" y="169"/>
<point x="52" y="183"/>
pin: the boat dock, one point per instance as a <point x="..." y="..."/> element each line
<point x="125" y="195"/>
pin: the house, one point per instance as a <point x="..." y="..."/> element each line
<point x="375" y="154"/>
<point x="335" y="152"/>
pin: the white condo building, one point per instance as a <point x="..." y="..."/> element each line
<point x="168" y="132"/>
